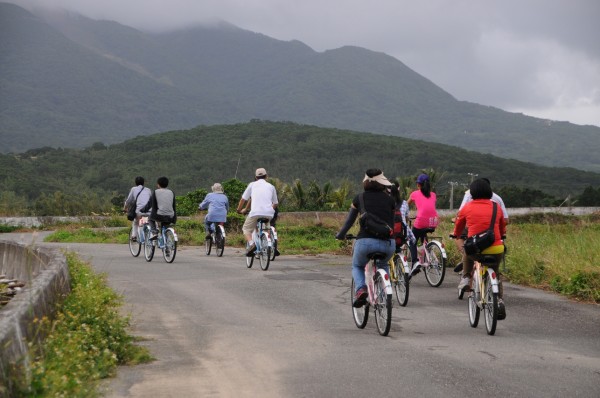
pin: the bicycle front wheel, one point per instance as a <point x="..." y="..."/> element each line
<point x="170" y="248"/>
<point x="436" y="269"/>
<point x="264" y="254"/>
<point x="208" y="245"/>
<point x="473" y="300"/>
<point x="249" y="259"/>
<point x="383" y="307"/>
<point x="360" y="315"/>
<point x="148" y="245"/>
<point x="400" y="283"/>
<point x="135" y="247"/>
<point x="490" y="307"/>
<point x="274" y="249"/>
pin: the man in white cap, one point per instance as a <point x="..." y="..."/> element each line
<point x="218" y="205"/>
<point x="263" y="201"/>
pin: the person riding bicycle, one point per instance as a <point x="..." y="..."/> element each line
<point x="218" y="205"/>
<point x="476" y="216"/>
<point x="377" y="202"/>
<point x="263" y="202"/>
<point x="427" y="217"/>
<point x="141" y="196"/>
<point x="402" y="233"/>
<point x="163" y="206"/>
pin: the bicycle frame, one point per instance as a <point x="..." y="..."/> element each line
<point x="370" y="271"/>
<point x="481" y="269"/>
<point x="258" y="232"/>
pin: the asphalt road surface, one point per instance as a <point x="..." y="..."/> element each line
<point x="219" y="329"/>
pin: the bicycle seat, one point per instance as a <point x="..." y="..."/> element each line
<point x="377" y="256"/>
<point x="263" y="220"/>
<point x="487" y="260"/>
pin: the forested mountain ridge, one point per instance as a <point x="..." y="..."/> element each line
<point x="197" y="158"/>
<point x="69" y="81"/>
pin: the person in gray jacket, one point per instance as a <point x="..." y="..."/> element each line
<point x="139" y="195"/>
<point x="163" y="206"/>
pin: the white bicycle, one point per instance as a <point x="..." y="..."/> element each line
<point x="264" y="245"/>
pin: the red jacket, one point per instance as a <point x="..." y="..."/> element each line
<point x="477" y="216"/>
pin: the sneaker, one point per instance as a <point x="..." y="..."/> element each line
<point x="416" y="268"/>
<point x="360" y="298"/>
<point x="207" y="237"/>
<point x="464" y="283"/>
<point x="251" y="249"/>
<point x="153" y="235"/>
<point x="277" y="253"/>
<point x="134" y="238"/>
<point x="501" y="310"/>
<point x="458" y="267"/>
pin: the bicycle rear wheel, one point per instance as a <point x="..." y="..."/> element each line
<point x="208" y="245"/>
<point x="249" y="259"/>
<point x="274" y="249"/>
<point x="490" y="307"/>
<point x="383" y="307"/>
<point x="360" y="315"/>
<point x="436" y="269"/>
<point x="148" y="244"/>
<point x="219" y="243"/>
<point x="170" y="249"/>
<point x="135" y="247"/>
<point x="401" y="285"/>
<point x="264" y="255"/>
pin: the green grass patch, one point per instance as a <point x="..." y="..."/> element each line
<point x="84" y="343"/>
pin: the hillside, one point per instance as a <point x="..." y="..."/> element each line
<point x="198" y="157"/>
<point x="69" y="81"/>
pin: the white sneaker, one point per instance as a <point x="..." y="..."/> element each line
<point x="464" y="282"/>
<point x="416" y="268"/>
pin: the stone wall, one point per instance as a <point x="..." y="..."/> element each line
<point x="46" y="278"/>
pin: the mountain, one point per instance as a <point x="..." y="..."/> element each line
<point x="198" y="157"/>
<point x="69" y="81"/>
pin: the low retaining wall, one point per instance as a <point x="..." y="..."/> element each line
<point x="46" y="278"/>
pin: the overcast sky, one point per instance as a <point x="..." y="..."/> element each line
<point x="539" y="57"/>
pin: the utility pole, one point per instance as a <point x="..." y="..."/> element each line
<point x="452" y="185"/>
<point x="472" y="176"/>
<point x="238" y="166"/>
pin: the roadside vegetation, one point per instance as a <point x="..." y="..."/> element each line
<point x="83" y="344"/>
<point x="548" y="251"/>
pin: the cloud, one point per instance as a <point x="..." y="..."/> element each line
<point x="538" y="56"/>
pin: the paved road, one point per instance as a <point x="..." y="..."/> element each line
<point x="219" y="329"/>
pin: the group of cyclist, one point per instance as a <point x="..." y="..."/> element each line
<point x="259" y="200"/>
<point x="382" y="198"/>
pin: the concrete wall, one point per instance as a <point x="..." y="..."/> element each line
<point x="46" y="278"/>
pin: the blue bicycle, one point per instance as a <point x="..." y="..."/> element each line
<point x="166" y="241"/>
<point x="264" y="245"/>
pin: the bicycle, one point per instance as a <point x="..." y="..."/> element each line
<point x="483" y="293"/>
<point x="166" y="241"/>
<point x="380" y="295"/>
<point x="263" y="243"/>
<point x="218" y="238"/>
<point x="432" y="256"/>
<point x="399" y="276"/>
<point x="135" y="246"/>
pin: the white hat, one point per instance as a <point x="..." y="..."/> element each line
<point x="380" y="178"/>
<point x="260" y="172"/>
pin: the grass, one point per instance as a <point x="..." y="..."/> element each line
<point x="548" y="251"/>
<point x="84" y="343"/>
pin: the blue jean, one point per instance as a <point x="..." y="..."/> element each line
<point x="362" y="248"/>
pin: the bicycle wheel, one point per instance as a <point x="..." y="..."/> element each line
<point x="249" y="259"/>
<point x="208" y="245"/>
<point x="405" y="252"/>
<point x="148" y="245"/>
<point x="264" y="255"/>
<point x="436" y="269"/>
<point x="360" y="315"/>
<point x="401" y="285"/>
<point x="473" y="298"/>
<point x="219" y="243"/>
<point x="135" y="247"/>
<point x="383" y="307"/>
<point x="170" y="248"/>
<point x="274" y="249"/>
<point x="490" y="307"/>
